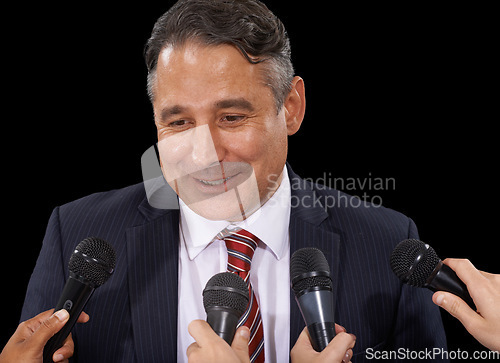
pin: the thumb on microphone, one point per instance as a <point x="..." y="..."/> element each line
<point x="45" y="328"/>
<point x="472" y="321"/>
<point x="454" y="304"/>
<point x="27" y="342"/>
<point x="338" y="350"/>
<point x="30" y="337"/>
<point x="240" y="343"/>
<point x="456" y="307"/>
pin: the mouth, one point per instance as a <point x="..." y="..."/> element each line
<point x="215" y="182"/>
<point x="212" y="181"/>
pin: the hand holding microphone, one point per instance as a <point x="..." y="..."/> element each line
<point x="225" y="299"/>
<point x="46" y="337"/>
<point x="209" y="347"/>
<point x="27" y="342"/>
<point x="459" y="288"/>
<point x="484" y="325"/>
<point x="417" y="264"/>
<point x="312" y="285"/>
<point x="338" y="350"/>
<point x="91" y="265"/>
<point x="322" y="340"/>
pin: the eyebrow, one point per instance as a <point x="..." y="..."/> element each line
<point x="171" y="111"/>
<point x="240" y="103"/>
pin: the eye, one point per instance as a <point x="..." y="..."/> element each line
<point x="232" y="118"/>
<point x="179" y="124"/>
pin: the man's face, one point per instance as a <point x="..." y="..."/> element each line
<point x="222" y="143"/>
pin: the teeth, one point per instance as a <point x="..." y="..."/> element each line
<point x="215" y="182"/>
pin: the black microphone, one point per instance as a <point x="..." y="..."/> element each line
<point x="417" y="264"/>
<point x="225" y="299"/>
<point x="312" y="285"/>
<point x="90" y="266"/>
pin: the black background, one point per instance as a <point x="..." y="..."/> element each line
<point x="393" y="91"/>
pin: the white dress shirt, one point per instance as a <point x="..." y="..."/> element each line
<point x="201" y="256"/>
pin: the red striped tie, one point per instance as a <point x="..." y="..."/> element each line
<point x="240" y="248"/>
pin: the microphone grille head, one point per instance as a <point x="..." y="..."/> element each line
<point x="93" y="259"/>
<point x="413" y="261"/>
<point x="306" y="261"/>
<point x="226" y="289"/>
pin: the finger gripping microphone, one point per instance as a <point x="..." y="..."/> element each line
<point x="225" y="299"/>
<point x="90" y="266"/>
<point x="417" y="264"/>
<point x="313" y="289"/>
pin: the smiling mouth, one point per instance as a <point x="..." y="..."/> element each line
<point x="215" y="182"/>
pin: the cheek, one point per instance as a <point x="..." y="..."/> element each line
<point x="246" y="146"/>
<point x="264" y="148"/>
<point x="173" y="149"/>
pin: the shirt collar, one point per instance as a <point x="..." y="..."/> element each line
<point x="269" y="223"/>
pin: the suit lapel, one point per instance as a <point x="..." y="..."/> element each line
<point x="152" y="254"/>
<point x="308" y="230"/>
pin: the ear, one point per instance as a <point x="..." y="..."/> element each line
<point x="295" y="106"/>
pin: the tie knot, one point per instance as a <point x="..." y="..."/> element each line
<point x="241" y="246"/>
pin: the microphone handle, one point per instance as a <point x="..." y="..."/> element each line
<point x="75" y="295"/>
<point x="445" y="279"/>
<point x="223" y="321"/>
<point x="316" y="307"/>
<point x="321" y="334"/>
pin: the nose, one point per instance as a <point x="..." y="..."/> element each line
<point x="205" y="147"/>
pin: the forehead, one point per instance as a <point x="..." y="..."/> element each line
<point x="194" y="53"/>
<point x="199" y="71"/>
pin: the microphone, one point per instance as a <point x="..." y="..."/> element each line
<point x="90" y="266"/>
<point x="313" y="289"/>
<point x="417" y="264"/>
<point x="225" y="299"/>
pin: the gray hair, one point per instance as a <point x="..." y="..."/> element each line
<point x="246" y="24"/>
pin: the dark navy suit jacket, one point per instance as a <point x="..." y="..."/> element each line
<point x="134" y="314"/>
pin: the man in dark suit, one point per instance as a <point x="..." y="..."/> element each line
<point x="225" y="101"/>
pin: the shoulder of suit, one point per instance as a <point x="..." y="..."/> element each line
<point x="127" y="194"/>
<point x="112" y="200"/>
